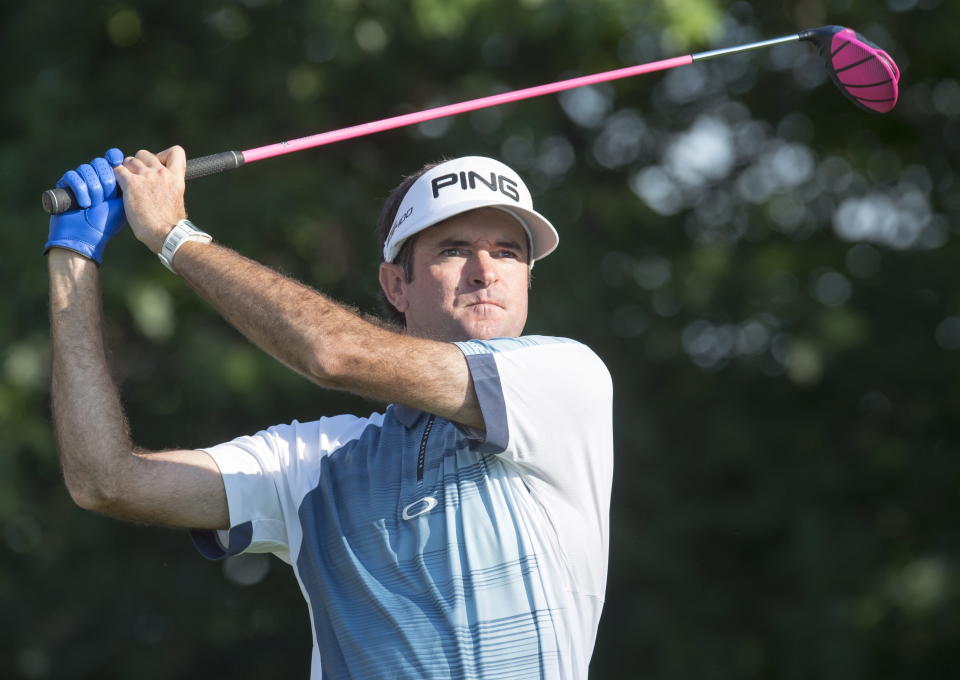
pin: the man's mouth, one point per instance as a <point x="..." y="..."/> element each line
<point x="486" y="303"/>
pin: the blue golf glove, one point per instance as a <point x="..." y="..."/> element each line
<point x="100" y="216"/>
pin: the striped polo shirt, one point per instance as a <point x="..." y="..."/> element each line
<point x="427" y="550"/>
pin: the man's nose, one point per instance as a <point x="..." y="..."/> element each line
<point x="483" y="270"/>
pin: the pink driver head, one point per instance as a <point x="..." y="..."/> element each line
<point x="863" y="72"/>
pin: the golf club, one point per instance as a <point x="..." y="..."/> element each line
<point x="864" y="73"/>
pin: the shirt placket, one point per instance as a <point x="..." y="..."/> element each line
<point x="420" y="471"/>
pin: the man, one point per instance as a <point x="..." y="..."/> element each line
<point x="463" y="532"/>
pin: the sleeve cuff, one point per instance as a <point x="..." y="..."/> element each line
<point x="209" y="545"/>
<point x="489" y="391"/>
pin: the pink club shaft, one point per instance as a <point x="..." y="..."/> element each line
<point x="60" y="200"/>
<point x="280" y="148"/>
<point x="873" y="87"/>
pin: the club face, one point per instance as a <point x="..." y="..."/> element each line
<point x="863" y="72"/>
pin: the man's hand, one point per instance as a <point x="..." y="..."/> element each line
<point x="87" y="230"/>
<point x="153" y="187"/>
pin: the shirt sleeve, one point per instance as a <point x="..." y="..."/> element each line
<point x="547" y="407"/>
<point x="266" y="476"/>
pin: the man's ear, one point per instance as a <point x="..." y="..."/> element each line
<point x="394" y="285"/>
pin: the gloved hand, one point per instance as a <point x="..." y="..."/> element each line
<point x="87" y="230"/>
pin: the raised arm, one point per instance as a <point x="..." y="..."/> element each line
<point x="102" y="468"/>
<point x="300" y="327"/>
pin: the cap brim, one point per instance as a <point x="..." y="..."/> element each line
<point x="544" y="238"/>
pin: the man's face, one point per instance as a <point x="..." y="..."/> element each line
<point x="470" y="278"/>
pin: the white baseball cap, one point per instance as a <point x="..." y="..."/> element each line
<point x="463" y="184"/>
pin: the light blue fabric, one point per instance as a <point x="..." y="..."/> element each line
<point x="451" y="593"/>
<point x="490" y="563"/>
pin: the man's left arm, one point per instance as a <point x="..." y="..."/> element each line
<point x="300" y="327"/>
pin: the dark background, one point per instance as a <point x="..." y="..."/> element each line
<point x="768" y="271"/>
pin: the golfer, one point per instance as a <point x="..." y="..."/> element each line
<point x="462" y="532"/>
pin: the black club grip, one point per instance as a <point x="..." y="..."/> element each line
<point x="214" y="163"/>
<point x="56" y="201"/>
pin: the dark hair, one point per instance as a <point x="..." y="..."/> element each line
<point x="405" y="257"/>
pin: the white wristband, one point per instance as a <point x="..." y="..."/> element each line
<point x="182" y="231"/>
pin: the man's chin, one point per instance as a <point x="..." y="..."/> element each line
<point x="458" y="329"/>
<point x="488" y="329"/>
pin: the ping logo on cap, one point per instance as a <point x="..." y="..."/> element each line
<point x="461" y="185"/>
<point x="468" y="179"/>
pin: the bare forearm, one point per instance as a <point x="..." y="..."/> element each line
<point x="326" y="342"/>
<point x="287" y="320"/>
<point x="90" y="427"/>
<point x="304" y="330"/>
<point x="101" y="467"/>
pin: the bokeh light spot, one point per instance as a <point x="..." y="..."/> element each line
<point x="124" y="27"/>
<point x="370" y="36"/>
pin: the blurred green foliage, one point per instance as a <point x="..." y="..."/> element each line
<point x="768" y="272"/>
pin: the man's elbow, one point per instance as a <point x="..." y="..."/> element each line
<point x="94" y="494"/>
<point x="329" y="370"/>
<point x="89" y="496"/>
<point x="345" y="359"/>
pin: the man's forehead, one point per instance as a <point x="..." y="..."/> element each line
<point x="482" y="224"/>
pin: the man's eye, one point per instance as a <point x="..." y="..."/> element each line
<point x="452" y="252"/>
<point x="509" y="254"/>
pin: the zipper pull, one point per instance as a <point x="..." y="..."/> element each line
<point x="421" y="457"/>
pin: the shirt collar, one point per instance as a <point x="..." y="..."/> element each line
<point x="407" y="415"/>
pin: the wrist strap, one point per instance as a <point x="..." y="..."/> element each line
<point x="182" y="231"/>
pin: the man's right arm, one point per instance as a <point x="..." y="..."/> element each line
<point x="102" y="469"/>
